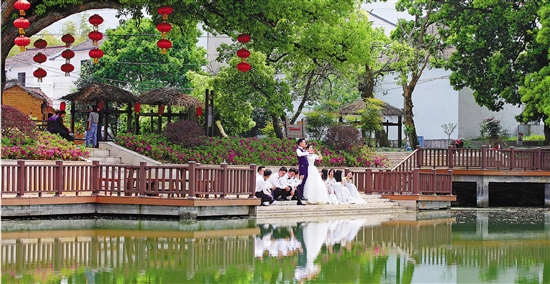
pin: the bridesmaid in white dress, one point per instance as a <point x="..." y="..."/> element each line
<point x="315" y="190"/>
<point x="333" y="199"/>
<point x="348" y="182"/>
<point x="343" y="194"/>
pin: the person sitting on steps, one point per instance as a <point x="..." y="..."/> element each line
<point x="264" y="189"/>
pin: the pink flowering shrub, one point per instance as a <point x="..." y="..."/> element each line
<point x="244" y="151"/>
<point x="45" y="146"/>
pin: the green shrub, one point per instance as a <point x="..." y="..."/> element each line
<point x="185" y="132"/>
<point x="341" y="137"/>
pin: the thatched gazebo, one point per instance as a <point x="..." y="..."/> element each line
<point x="102" y="94"/>
<point x="387" y="111"/>
<point x="169" y="97"/>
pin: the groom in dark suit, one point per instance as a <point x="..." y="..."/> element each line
<point x="302" y="168"/>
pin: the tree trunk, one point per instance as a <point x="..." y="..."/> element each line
<point x="277" y="127"/>
<point x="408" y="113"/>
<point x="546" y="134"/>
<point x="38" y="23"/>
<point x="366" y="87"/>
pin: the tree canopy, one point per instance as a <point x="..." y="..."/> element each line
<point x="133" y="61"/>
<point x="502" y="50"/>
<point x="269" y="22"/>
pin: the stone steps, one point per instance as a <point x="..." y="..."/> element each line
<point x="283" y="209"/>
<point x="103" y="156"/>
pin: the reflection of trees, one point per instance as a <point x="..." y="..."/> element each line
<point x="366" y="255"/>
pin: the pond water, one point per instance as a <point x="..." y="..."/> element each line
<point x="457" y="246"/>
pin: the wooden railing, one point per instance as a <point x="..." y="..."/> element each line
<point x="413" y="182"/>
<point x="173" y="181"/>
<point x="485" y="158"/>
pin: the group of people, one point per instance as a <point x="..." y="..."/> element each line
<point x="306" y="184"/>
<point x="55" y="125"/>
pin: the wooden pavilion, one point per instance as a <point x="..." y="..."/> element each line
<point x="107" y="97"/>
<point x="167" y="97"/>
<point x="387" y="111"/>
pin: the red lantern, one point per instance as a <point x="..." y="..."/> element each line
<point x="95" y="36"/>
<point x="243" y="53"/>
<point x="40" y="73"/>
<point x="95" y="20"/>
<point x="100" y="105"/>
<point x="164" y="44"/>
<point x="21" y="24"/>
<point x="67" y="68"/>
<point x="96" y="53"/>
<point x="161" y="110"/>
<point x="22" y="5"/>
<point x="243" y="67"/>
<point x="22" y="41"/>
<point x="137" y="107"/>
<point x="40" y="58"/>
<point x="67" y="54"/>
<point x="165" y="11"/>
<point x="243" y="38"/>
<point x="68" y="39"/>
<point x="62" y="106"/>
<point x="164" y="27"/>
<point x="198" y="111"/>
<point x="40" y="43"/>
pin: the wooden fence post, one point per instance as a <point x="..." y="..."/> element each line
<point x="433" y="183"/>
<point x="512" y="158"/>
<point x="368" y="181"/>
<point x="21" y="178"/>
<point x="538" y="159"/>
<point x="419" y="157"/>
<point x="415" y="181"/>
<point x="252" y="181"/>
<point x="451" y="157"/>
<point x="96" y="177"/>
<point x="60" y="177"/>
<point x="449" y="185"/>
<point x="142" y="174"/>
<point x="223" y="182"/>
<point x="192" y="181"/>
<point x="483" y="157"/>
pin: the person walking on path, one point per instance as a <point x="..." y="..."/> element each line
<point x="91" y="129"/>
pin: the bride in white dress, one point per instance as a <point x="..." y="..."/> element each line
<point x="315" y="190"/>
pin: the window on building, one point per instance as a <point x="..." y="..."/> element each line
<point x="21" y="78"/>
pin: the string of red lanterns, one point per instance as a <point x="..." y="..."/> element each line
<point x="21" y="24"/>
<point x="164" y="27"/>
<point x="243" y="53"/>
<point x="40" y="58"/>
<point x="95" y="36"/>
<point x="68" y="39"/>
<point x="67" y="67"/>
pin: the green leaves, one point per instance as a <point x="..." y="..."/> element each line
<point x="133" y="60"/>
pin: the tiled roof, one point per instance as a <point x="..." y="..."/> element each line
<point x="24" y="58"/>
<point x="33" y="91"/>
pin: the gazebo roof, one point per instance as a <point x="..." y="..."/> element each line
<point x="353" y="108"/>
<point x="168" y="97"/>
<point x="101" y="92"/>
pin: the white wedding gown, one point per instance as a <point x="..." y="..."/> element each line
<point x="315" y="190"/>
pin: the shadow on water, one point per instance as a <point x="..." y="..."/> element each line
<point x="454" y="246"/>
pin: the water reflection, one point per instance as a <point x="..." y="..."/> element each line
<point x="450" y="247"/>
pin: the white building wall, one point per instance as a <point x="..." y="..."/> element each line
<point x="435" y="103"/>
<point x="471" y="115"/>
<point x="55" y="84"/>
